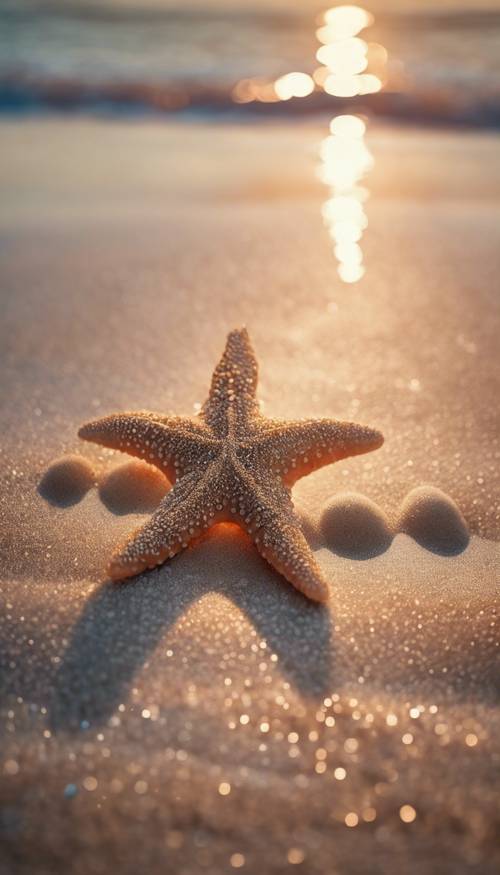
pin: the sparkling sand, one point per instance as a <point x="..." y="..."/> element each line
<point x="205" y="717"/>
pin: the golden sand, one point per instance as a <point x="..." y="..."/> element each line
<point x="205" y="717"/>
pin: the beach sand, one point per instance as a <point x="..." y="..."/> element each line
<point x="206" y="717"/>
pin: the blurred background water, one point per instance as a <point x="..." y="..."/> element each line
<point x="164" y="56"/>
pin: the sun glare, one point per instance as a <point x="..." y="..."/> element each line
<point x="257" y="89"/>
<point x="349" y="68"/>
<point x="345" y="21"/>
<point x="345" y="157"/>
<point x="294" y="85"/>
<point x="348" y="127"/>
<point x="344" y="55"/>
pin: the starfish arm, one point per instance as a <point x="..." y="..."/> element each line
<point x="168" y="442"/>
<point x="232" y="399"/>
<point x="294" y="449"/>
<point x="284" y="546"/>
<point x="186" y="511"/>
<point x="266" y="512"/>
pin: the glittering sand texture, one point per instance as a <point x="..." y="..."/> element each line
<point x="206" y="717"/>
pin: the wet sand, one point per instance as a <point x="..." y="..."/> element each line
<point x="206" y="717"/>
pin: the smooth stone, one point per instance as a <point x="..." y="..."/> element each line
<point x="354" y="526"/>
<point x="434" y="520"/>
<point x="67" y="480"/>
<point x="134" y="487"/>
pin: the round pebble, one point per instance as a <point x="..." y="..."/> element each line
<point x="433" y="519"/>
<point x="355" y="527"/>
<point x="134" y="487"/>
<point x="67" y="480"/>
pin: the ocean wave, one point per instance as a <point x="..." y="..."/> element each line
<point x="85" y="56"/>
<point x="429" y="106"/>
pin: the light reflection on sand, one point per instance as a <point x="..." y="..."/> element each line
<point x="347" y="70"/>
<point x="345" y="157"/>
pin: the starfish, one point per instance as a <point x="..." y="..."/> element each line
<point x="229" y="464"/>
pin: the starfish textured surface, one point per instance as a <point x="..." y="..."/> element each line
<point x="231" y="464"/>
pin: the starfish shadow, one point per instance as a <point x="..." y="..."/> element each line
<point x="122" y="624"/>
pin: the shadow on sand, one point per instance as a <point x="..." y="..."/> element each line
<point x="122" y="624"/>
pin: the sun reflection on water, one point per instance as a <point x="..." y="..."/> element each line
<point x="350" y="68"/>
<point x="345" y="56"/>
<point x="294" y="85"/>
